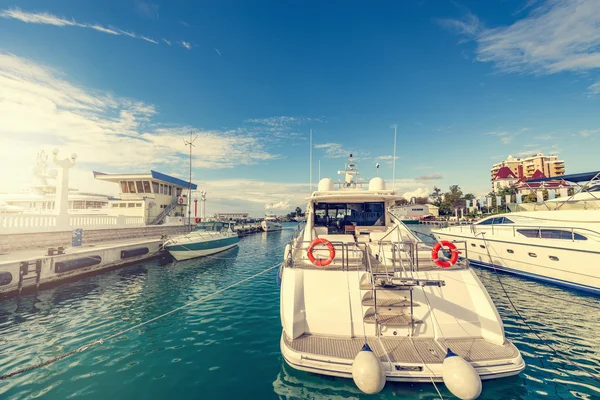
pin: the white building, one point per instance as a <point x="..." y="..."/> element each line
<point x="154" y="196"/>
<point x="413" y="211"/>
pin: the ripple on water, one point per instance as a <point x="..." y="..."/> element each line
<point x="228" y="346"/>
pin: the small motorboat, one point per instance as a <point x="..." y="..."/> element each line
<point x="207" y="238"/>
<point x="270" y="223"/>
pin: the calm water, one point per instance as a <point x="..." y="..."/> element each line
<point x="228" y="347"/>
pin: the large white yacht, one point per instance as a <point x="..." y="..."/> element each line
<point x="357" y="276"/>
<point x="270" y="223"/>
<point x="558" y="242"/>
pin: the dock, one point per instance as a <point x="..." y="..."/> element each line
<point x="247" y="229"/>
<point x="31" y="269"/>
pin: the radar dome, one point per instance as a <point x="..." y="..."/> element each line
<point x="325" y="185"/>
<point x="376" y="184"/>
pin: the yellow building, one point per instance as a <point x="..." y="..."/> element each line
<point x="524" y="168"/>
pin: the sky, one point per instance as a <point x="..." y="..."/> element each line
<point x="467" y="83"/>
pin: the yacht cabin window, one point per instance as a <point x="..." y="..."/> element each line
<point x="551" y="234"/>
<point x="495" y="221"/>
<point x="336" y="216"/>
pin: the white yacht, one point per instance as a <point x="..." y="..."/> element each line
<point x="270" y="223"/>
<point x="357" y="276"/>
<point x="207" y="238"/>
<point x="559" y="244"/>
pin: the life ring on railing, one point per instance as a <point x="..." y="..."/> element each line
<point x="443" y="263"/>
<point x="320" y="262"/>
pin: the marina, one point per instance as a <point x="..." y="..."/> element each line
<point x="300" y="200"/>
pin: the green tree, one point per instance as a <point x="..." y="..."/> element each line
<point x="299" y="212"/>
<point x="437" y="196"/>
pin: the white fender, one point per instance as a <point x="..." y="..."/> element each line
<point x="460" y="377"/>
<point x="367" y="371"/>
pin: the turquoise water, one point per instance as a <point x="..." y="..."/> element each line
<point x="228" y="346"/>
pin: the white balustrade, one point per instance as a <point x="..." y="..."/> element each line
<point x="29" y="223"/>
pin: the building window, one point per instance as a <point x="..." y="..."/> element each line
<point x="170" y="190"/>
<point x="124" y="187"/>
<point x="147" y="187"/>
<point x="122" y="205"/>
<point x="139" y="186"/>
<point x="114" y="205"/>
<point x="131" y="185"/>
<point x="178" y="192"/>
<point x="130" y="205"/>
<point x="162" y="189"/>
<point x="154" y="187"/>
<point x="138" y="204"/>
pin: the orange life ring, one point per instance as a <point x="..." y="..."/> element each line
<point x="443" y="263"/>
<point x="320" y="262"/>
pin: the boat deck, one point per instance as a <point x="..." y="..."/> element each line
<point x="403" y="350"/>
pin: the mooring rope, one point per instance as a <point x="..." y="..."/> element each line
<point x="559" y="355"/>
<point x="121" y="333"/>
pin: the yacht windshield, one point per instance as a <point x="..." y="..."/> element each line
<point x="335" y="216"/>
<point x="209" y="226"/>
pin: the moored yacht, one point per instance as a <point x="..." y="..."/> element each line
<point x="357" y="278"/>
<point x="207" y="238"/>
<point x="560" y="244"/>
<point x="270" y="223"/>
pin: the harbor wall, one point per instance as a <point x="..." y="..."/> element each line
<point x="42" y="240"/>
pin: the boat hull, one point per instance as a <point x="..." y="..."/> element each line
<point x="559" y="266"/>
<point x="397" y="371"/>
<point x="270" y="226"/>
<point x="201" y="249"/>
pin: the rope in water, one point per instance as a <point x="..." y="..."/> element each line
<point x="121" y="333"/>
<point x="565" y="359"/>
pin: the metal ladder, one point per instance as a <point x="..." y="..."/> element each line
<point x="24" y="271"/>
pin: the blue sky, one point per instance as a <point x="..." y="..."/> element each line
<point x="466" y="82"/>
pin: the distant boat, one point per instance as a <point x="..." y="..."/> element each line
<point x="270" y="223"/>
<point x="207" y="238"/>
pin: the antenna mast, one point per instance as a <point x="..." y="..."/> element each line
<point x="189" y="205"/>
<point x="310" y="168"/>
<point x="394" y="161"/>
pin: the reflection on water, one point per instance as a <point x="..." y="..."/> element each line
<point x="228" y="346"/>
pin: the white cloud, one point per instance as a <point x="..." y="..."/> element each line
<point x="506" y="137"/>
<point x="185" y="44"/>
<point x="40" y="110"/>
<point x="167" y="41"/>
<point x="555" y="36"/>
<point x="594" y="89"/>
<point x="218" y="52"/>
<point x="418" y="192"/>
<point x="587" y="132"/>
<point x="281" y="126"/>
<point x="46" y="18"/>
<point x="546" y="136"/>
<point x="282" y="205"/>
<point x="334" y="150"/>
<point x="429" y="177"/>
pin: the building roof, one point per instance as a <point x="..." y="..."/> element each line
<point x="504" y="173"/>
<point x="581" y="177"/>
<point x="537" y="175"/>
<point x="152" y="175"/>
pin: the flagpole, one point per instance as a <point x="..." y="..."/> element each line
<point x="310" y="161"/>
<point x="394" y="162"/>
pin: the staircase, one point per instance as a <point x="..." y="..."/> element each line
<point x="387" y="292"/>
<point x="161" y="217"/>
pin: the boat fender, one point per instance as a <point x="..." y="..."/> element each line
<point x="460" y="377"/>
<point x="70" y="265"/>
<point x="140" y="251"/>
<point x="367" y="371"/>
<point x="5" y="278"/>
<point x="453" y="257"/>
<point x="320" y="262"/>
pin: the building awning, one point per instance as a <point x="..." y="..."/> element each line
<point x="581" y="177"/>
<point x="152" y="175"/>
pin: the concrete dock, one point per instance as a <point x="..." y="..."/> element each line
<point x="30" y="269"/>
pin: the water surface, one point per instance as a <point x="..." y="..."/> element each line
<point x="228" y="347"/>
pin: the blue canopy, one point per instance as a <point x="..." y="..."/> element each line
<point x="581" y="177"/>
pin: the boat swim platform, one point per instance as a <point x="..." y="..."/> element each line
<point x="403" y="350"/>
<point x="27" y="270"/>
